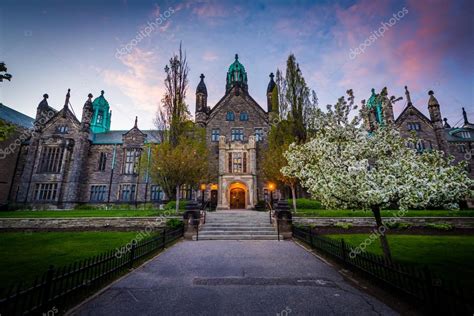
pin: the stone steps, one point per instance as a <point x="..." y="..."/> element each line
<point x="238" y="237"/>
<point x="237" y="225"/>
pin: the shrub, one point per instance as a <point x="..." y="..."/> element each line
<point x="174" y="223"/>
<point x="440" y="226"/>
<point x="305" y="204"/>
<point x="397" y="225"/>
<point x="260" y="206"/>
<point x="343" y="225"/>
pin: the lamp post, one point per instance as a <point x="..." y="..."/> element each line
<point x="271" y="188"/>
<point x="203" y="189"/>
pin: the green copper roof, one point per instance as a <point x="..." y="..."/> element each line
<point x="236" y="75"/>
<point x="374" y="103"/>
<point x="102" y="116"/>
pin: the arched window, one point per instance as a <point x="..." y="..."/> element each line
<point x="230" y="116"/>
<point x="244" y="116"/>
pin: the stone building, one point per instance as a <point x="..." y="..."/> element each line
<point x="431" y="132"/>
<point x="236" y="129"/>
<point x="66" y="161"/>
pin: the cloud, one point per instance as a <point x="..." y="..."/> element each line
<point x="210" y="56"/>
<point x="141" y="80"/>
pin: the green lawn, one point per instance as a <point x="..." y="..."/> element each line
<point x="451" y="257"/>
<point x="26" y="255"/>
<point x="85" y="213"/>
<point x="385" y="213"/>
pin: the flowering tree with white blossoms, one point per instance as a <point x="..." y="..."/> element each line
<point x="345" y="166"/>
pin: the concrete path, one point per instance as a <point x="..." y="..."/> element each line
<point x="259" y="277"/>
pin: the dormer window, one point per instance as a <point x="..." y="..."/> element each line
<point x="465" y="134"/>
<point x="62" y="129"/>
<point x="244" y="116"/>
<point x="230" y="116"/>
<point x="414" y="126"/>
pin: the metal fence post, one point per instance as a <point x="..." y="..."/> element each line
<point x="132" y="256"/>
<point x="47" y="288"/>
<point x="278" y="227"/>
<point x="164" y="238"/>
<point x="311" y="237"/>
<point x="343" y="246"/>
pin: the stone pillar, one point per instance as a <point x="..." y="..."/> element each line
<point x="282" y="217"/>
<point x="191" y="219"/>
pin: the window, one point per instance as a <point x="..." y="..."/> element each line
<point x="51" y="159"/>
<point x="420" y="145"/>
<point x="259" y="134"/>
<point x="127" y="192"/>
<point x="412" y="126"/>
<point x="156" y="193"/>
<point x="100" y="117"/>
<point x="229" y="116"/>
<point x="244" y="116"/>
<point x="186" y="192"/>
<point x="62" y="129"/>
<point x="237" y="134"/>
<point x="462" y="148"/>
<point x="238" y="162"/>
<point x="215" y="133"/>
<point x="46" y="191"/>
<point x="465" y="134"/>
<point x="98" y="193"/>
<point x="102" y="161"/>
<point x="132" y="157"/>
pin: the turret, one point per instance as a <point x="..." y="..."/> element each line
<point x="87" y="113"/>
<point x="42" y="110"/>
<point x="101" y="118"/>
<point x="66" y="103"/>
<point x="437" y="121"/>
<point x="271" y="86"/>
<point x="236" y="76"/>
<point x="201" y="103"/>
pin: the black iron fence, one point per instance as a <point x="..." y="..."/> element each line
<point x="59" y="288"/>
<point x="417" y="283"/>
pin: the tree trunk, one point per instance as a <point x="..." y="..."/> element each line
<point x="293" y="196"/>
<point x="177" y="199"/>
<point x="381" y="230"/>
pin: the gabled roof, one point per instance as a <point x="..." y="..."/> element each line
<point x="14" y="117"/>
<point x="229" y="95"/>
<point x="453" y="134"/>
<point x="115" y="137"/>
<point x="417" y="113"/>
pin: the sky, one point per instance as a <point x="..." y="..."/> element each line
<point x="122" y="47"/>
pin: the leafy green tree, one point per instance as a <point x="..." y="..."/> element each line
<point x="279" y="140"/>
<point x="3" y="72"/>
<point x="173" y="166"/>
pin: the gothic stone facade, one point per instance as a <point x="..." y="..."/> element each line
<point x="68" y="161"/>
<point x="64" y="163"/>
<point x="236" y="129"/>
<point x="431" y="132"/>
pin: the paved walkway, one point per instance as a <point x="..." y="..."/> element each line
<point x="234" y="278"/>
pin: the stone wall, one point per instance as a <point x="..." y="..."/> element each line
<point x="458" y="222"/>
<point x="93" y="223"/>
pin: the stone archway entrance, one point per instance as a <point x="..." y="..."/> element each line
<point x="237" y="198"/>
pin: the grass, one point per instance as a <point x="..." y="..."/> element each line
<point x="449" y="256"/>
<point x="27" y="255"/>
<point x="84" y="213"/>
<point x="385" y="213"/>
